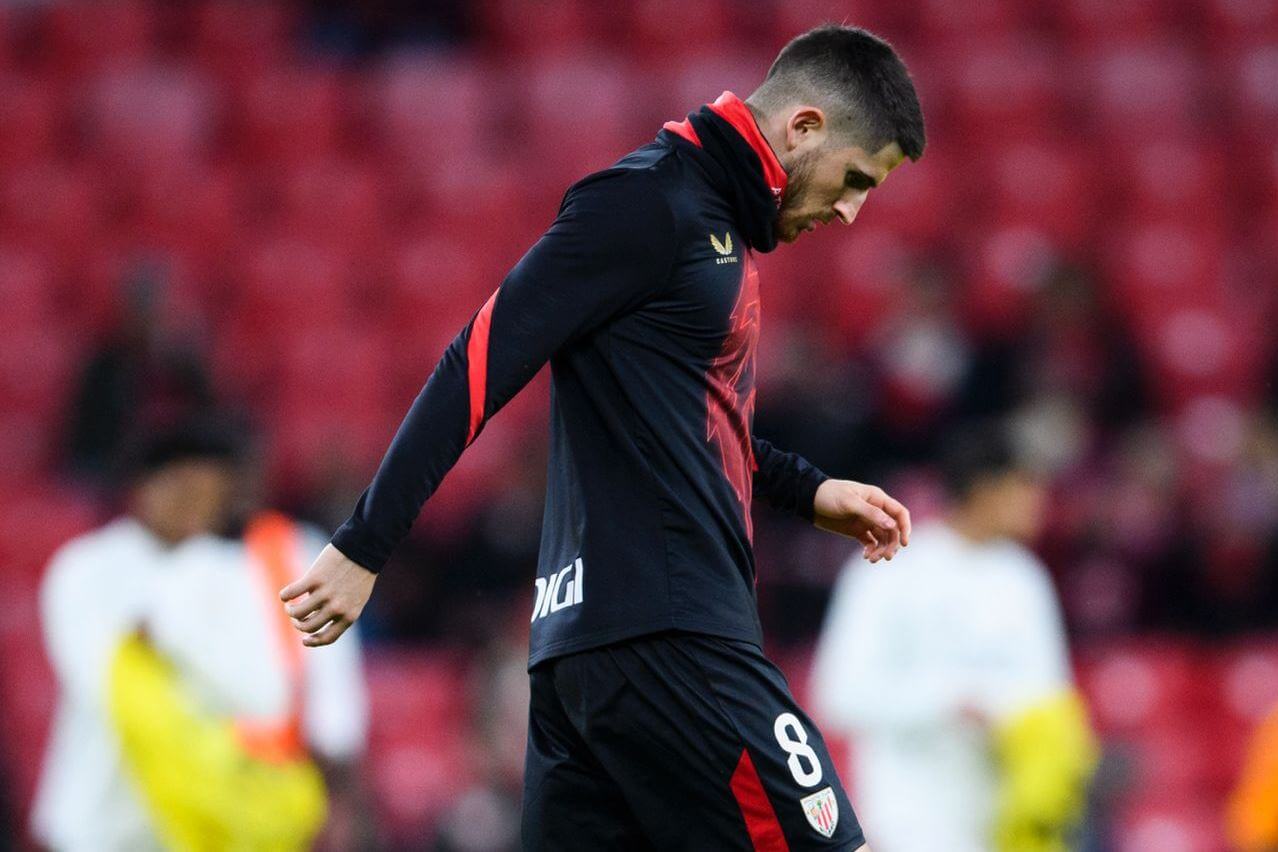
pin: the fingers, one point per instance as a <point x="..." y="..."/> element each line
<point x="328" y="635"/>
<point x="895" y="509"/>
<point x="884" y="527"/>
<point x="871" y="549"/>
<point x="312" y="603"/>
<point x="314" y="621"/>
<point x="881" y="520"/>
<point x="299" y="587"/>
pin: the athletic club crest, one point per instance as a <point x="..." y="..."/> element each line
<point x="822" y="811"/>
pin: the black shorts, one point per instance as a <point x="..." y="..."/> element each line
<point x="677" y="741"/>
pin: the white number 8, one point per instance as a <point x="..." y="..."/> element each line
<point x="796" y="745"/>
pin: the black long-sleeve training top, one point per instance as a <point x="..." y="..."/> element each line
<point x="644" y="297"/>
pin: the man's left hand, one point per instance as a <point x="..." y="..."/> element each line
<point x="865" y="513"/>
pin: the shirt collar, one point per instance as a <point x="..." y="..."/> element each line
<point x="734" y="111"/>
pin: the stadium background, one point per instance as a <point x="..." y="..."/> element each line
<point x="287" y="210"/>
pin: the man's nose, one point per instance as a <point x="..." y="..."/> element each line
<point x="847" y="208"/>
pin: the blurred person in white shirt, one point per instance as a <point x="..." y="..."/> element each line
<point x="948" y="669"/>
<point x="204" y="601"/>
<point x="95" y="593"/>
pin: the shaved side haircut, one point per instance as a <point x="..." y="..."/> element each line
<point x="857" y="79"/>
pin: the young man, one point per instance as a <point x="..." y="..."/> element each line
<point x="951" y="674"/>
<point x="95" y="593"/>
<point x="656" y="721"/>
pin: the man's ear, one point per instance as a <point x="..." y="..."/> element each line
<point x="806" y="124"/>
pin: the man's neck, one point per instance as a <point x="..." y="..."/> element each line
<point x="166" y="541"/>
<point x="773" y="132"/>
<point x="970" y="526"/>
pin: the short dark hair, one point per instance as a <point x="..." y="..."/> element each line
<point x="977" y="451"/>
<point x="208" y="438"/>
<point x="862" y="73"/>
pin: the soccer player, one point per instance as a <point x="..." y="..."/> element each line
<point x="656" y="722"/>
<point x="950" y="671"/>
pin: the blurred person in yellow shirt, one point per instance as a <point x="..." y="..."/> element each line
<point x="191" y="672"/>
<point x="1253" y="810"/>
<point x="949" y="670"/>
<point x="95" y="594"/>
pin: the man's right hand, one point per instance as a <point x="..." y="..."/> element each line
<point x="335" y="590"/>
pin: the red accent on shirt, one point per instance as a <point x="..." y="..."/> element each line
<point x="734" y="111"/>
<point x="730" y="392"/>
<point x="477" y="365"/>
<point x="685" y="129"/>
<point x="760" y="818"/>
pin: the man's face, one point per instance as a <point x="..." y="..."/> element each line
<point x="829" y="180"/>
<point x="185" y="498"/>
<point x="1014" y="503"/>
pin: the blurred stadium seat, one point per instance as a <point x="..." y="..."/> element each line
<point x="417" y="746"/>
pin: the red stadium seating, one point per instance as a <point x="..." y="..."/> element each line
<point x="563" y="98"/>
<point x="10" y="30"/>
<point x="416" y="749"/>
<point x="333" y="202"/>
<point x="1138" y="685"/>
<point x="1234" y="23"/>
<point x="289" y="115"/>
<point x="239" y="39"/>
<point x="1153" y="263"/>
<point x="1171" y="824"/>
<point x="1090" y="21"/>
<point x="33" y="115"/>
<point x="656" y="28"/>
<point x="1245" y="680"/>
<point x="1171" y="179"/>
<point x="33" y="359"/>
<point x="1049" y="187"/>
<point x="869" y="270"/>
<point x="1009" y="92"/>
<point x="97" y="36"/>
<point x="1006" y="269"/>
<point x="27" y="685"/>
<point x="27" y="288"/>
<point x="919" y="200"/>
<point x="1252" y="85"/>
<point x="152" y="117"/>
<point x="193" y="213"/>
<point x="543" y="27"/>
<point x="896" y="20"/>
<point x="51" y="206"/>
<point x="34" y="522"/>
<point x="947" y="22"/>
<point x="1143" y="91"/>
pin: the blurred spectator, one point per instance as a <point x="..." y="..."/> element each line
<point x="207" y="609"/>
<point x="357" y="29"/>
<point x="95" y="594"/>
<point x="1253" y="811"/>
<point x="141" y="378"/>
<point x="485" y="817"/>
<point x="949" y="668"/>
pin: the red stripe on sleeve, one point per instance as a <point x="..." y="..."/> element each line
<point x="477" y="365"/>
<point x="760" y="818"/>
